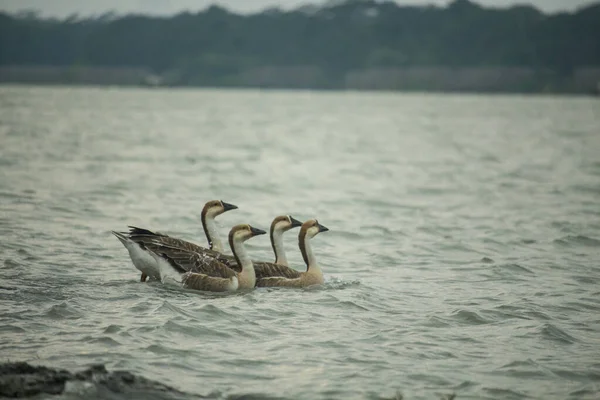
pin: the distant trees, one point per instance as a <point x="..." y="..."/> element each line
<point x="338" y="38"/>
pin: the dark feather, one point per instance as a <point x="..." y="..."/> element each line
<point x="141" y="231"/>
<point x="205" y="282"/>
<point x="187" y="261"/>
<point x="266" y="270"/>
<point x="278" y="281"/>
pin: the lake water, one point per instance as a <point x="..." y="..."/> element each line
<point x="463" y="255"/>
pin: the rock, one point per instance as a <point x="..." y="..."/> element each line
<point x="20" y="379"/>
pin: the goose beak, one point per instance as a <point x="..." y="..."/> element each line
<point x="227" y="206"/>
<point x="295" y="222"/>
<point x="322" y="228"/>
<point x="256" y="231"/>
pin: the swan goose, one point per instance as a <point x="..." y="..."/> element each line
<point x="137" y="240"/>
<point x="196" y="273"/>
<point x="313" y="274"/>
<point x="263" y="269"/>
<point x="279" y="226"/>
<point x="192" y="260"/>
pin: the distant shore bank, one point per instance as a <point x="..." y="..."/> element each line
<point x="583" y="81"/>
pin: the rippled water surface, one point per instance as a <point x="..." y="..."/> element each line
<point x="463" y="254"/>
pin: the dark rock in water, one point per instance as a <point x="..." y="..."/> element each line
<point x="23" y="380"/>
<point x="18" y="380"/>
<point x="487" y="260"/>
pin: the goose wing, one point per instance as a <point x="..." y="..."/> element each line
<point x="189" y="261"/>
<point x="144" y="235"/>
<point x="200" y="260"/>
<point x="192" y="280"/>
<point x="279" y="281"/>
<point x="228" y="260"/>
<point x="267" y="270"/>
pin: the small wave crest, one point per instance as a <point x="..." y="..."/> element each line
<point x="334" y="283"/>
<point x="525" y="369"/>
<point x="10" y="264"/>
<point x="508" y="272"/>
<point x="552" y="332"/>
<point x="577" y="240"/>
<point x="509" y="394"/>
<point x="466" y="317"/>
<point x="514" y="268"/>
<point x="63" y="310"/>
<point x="11" y="329"/>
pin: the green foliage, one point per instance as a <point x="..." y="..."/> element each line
<point x="216" y="45"/>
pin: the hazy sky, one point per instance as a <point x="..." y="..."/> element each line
<point x="62" y="8"/>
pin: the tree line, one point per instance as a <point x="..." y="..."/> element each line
<point x="337" y="38"/>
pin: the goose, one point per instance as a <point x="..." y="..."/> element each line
<point x="279" y="226"/>
<point x="313" y="274"/>
<point x="137" y="239"/>
<point x="263" y="269"/>
<point x="196" y="273"/>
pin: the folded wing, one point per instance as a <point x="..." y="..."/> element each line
<point x="267" y="269"/>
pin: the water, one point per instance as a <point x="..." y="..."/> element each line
<point x="462" y="257"/>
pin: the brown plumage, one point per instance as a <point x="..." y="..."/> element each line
<point x="207" y="283"/>
<point x="266" y="269"/>
<point x="188" y="261"/>
<point x="280" y="281"/>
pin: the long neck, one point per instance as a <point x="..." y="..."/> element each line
<point x="248" y="275"/>
<point x="307" y="254"/>
<point x="212" y="233"/>
<point x="277" y="244"/>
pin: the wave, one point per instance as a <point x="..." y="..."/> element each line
<point x="552" y="332"/>
<point x="516" y="268"/>
<point x="509" y="394"/>
<point x="466" y="317"/>
<point x="63" y="310"/>
<point x="577" y="240"/>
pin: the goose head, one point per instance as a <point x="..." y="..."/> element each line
<point x="217" y="207"/>
<point x="284" y="223"/>
<point x="312" y="228"/>
<point x="243" y="232"/>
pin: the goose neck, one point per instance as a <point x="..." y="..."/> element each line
<point x="307" y="253"/>
<point x="277" y="244"/>
<point x="211" y="231"/>
<point x="247" y="278"/>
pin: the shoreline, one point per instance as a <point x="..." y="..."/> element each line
<point x="72" y="85"/>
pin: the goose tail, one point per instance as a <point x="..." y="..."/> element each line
<point x="168" y="269"/>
